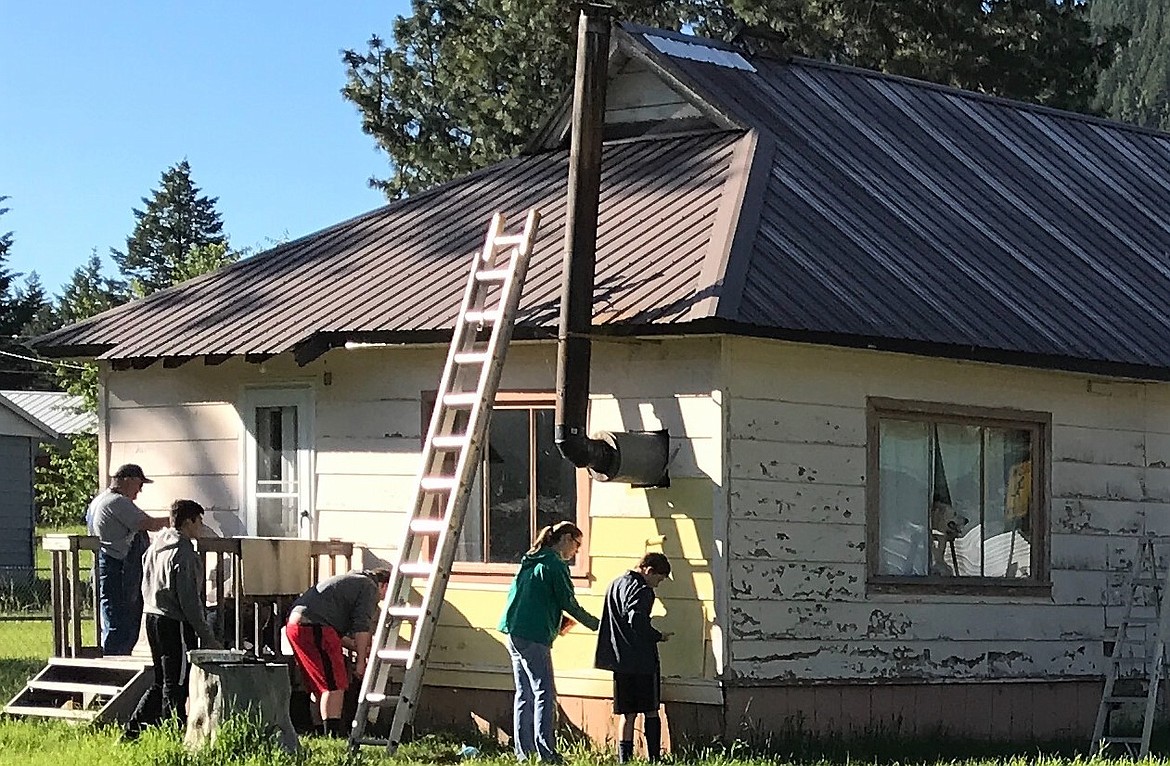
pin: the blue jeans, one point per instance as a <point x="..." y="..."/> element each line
<point x="120" y="595"/>
<point x="536" y="700"/>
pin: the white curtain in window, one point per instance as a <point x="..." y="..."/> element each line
<point x="904" y="502"/>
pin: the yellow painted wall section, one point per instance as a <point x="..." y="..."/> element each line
<point x="469" y="652"/>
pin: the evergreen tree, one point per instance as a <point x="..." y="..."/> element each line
<point x="464" y="84"/>
<point x="86" y="294"/>
<point x="202" y="259"/>
<point x="19" y="305"/>
<point x="175" y="219"/>
<point x="1136" y="88"/>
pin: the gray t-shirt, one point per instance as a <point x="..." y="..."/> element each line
<point x="347" y="602"/>
<point x="115" y="519"/>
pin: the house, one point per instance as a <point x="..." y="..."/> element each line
<point x="909" y="343"/>
<point x="29" y="420"/>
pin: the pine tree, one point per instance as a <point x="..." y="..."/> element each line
<point x="174" y="220"/>
<point x="1136" y="88"/>
<point x="19" y="305"/>
<point x="465" y="84"/>
<point x="87" y="293"/>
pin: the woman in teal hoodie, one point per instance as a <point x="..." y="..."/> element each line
<point x="541" y="591"/>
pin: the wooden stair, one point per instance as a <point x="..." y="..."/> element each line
<point x="104" y="690"/>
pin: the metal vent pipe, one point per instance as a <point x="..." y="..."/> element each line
<point x="573" y="345"/>
<point x="638" y="458"/>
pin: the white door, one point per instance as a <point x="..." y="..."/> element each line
<point x="278" y="440"/>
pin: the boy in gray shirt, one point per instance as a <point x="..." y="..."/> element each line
<point x="172" y="575"/>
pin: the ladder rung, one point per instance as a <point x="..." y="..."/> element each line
<point x="482" y="317"/>
<point x="382" y="700"/>
<point x="1122" y="740"/>
<point x="449" y="442"/>
<point x="438" y="483"/>
<point x="471" y="357"/>
<point x="395" y="655"/>
<point x="428" y="526"/>
<point x="492" y="275"/>
<point x="466" y="399"/>
<point x="1141" y="659"/>
<point x="508" y="240"/>
<point x="1126" y="698"/>
<point x="406" y="612"/>
<point x="415" y="570"/>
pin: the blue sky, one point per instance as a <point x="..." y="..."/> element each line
<point x="98" y="98"/>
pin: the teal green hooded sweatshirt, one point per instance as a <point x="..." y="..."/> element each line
<point x="541" y="591"/>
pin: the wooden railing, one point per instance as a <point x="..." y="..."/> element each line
<point x="249" y="622"/>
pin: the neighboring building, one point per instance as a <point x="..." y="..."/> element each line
<point x="28" y="420"/>
<point x="909" y="342"/>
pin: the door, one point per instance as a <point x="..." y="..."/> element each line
<point x="278" y="462"/>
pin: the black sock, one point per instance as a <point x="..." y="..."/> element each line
<point x="653" y="738"/>
<point x="625" y="751"/>
<point x="331" y="727"/>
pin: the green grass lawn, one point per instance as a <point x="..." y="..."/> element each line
<point x="24" y="646"/>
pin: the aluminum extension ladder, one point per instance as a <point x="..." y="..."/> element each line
<point x="450" y="458"/>
<point x="1136" y="664"/>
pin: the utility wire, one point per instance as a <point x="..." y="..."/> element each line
<point x="70" y="365"/>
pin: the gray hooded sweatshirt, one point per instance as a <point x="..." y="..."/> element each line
<point x="171" y="575"/>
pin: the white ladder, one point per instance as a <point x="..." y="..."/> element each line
<point x="1136" y="664"/>
<point x="450" y="457"/>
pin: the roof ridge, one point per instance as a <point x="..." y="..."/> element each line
<point x="974" y="95"/>
<point x="806" y="61"/>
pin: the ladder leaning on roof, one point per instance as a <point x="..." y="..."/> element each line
<point x="450" y="457"/>
<point x="1136" y="665"/>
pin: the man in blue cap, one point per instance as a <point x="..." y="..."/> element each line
<point x="121" y="526"/>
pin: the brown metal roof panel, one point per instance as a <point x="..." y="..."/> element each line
<point x="402" y="267"/>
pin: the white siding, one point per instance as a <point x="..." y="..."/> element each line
<point x="796" y="456"/>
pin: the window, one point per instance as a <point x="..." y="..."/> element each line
<point x="522" y="484"/>
<point x="956" y="496"/>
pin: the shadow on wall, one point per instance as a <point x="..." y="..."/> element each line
<point x="460" y="645"/>
<point x="682" y="515"/>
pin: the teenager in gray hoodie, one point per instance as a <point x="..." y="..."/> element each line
<point x="172" y="573"/>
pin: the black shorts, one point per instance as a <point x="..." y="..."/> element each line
<point x="636" y="693"/>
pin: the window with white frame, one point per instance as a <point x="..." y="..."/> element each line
<point x="956" y="494"/>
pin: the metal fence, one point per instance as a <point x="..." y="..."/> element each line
<point x="26" y="593"/>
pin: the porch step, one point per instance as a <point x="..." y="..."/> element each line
<point x="84" y="690"/>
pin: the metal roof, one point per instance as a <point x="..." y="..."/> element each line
<point x="57" y="412"/>
<point x="401" y="269"/>
<point x="896" y="210"/>
<point x="853" y="208"/>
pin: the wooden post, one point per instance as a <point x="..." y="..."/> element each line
<point x="58" y="602"/>
<point x="75" y="600"/>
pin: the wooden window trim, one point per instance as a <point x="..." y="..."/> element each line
<point x="470" y="571"/>
<point x="1039" y="423"/>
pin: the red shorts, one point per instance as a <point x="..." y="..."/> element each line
<point x="318" y="652"/>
